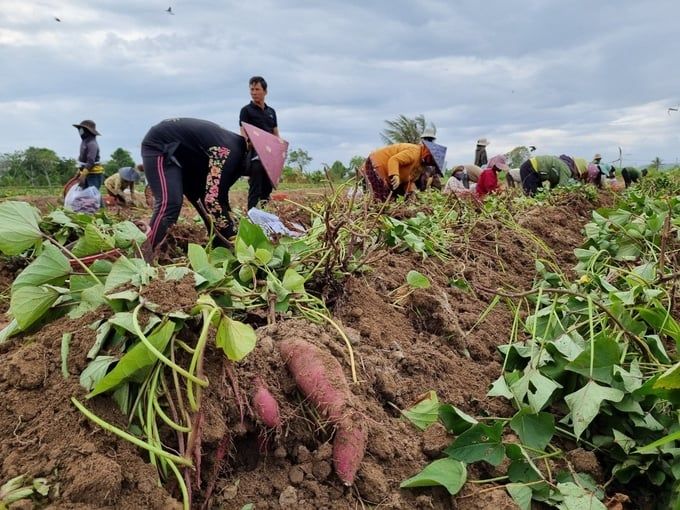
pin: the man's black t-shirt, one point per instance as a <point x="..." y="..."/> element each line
<point x="263" y="118"/>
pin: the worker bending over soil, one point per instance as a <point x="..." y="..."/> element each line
<point x="543" y="168"/>
<point x="197" y="159"/>
<point x="396" y="168"/>
<point x="124" y="178"/>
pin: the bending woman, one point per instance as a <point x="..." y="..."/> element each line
<point x="197" y="159"/>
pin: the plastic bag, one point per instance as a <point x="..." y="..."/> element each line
<point x="85" y="200"/>
<point x="271" y="224"/>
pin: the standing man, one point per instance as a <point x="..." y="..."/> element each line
<point x="261" y="115"/>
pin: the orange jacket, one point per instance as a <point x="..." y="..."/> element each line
<point x="402" y="159"/>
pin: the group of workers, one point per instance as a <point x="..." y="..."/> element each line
<point x="200" y="160"/>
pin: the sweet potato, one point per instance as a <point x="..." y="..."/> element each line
<point x="318" y="375"/>
<point x="349" y="446"/>
<point x="265" y="406"/>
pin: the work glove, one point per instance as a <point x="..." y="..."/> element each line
<point x="82" y="179"/>
<point x="394" y="181"/>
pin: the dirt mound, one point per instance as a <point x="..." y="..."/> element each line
<point x="44" y="435"/>
<point x="404" y="345"/>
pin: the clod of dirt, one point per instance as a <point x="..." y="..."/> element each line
<point x="94" y="490"/>
<point x="435" y="440"/>
<point x="584" y="461"/>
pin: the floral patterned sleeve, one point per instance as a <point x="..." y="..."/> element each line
<point x="217" y="157"/>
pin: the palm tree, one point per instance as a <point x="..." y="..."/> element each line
<point x="656" y="163"/>
<point x="404" y="130"/>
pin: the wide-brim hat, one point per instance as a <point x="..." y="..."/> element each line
<point x="483" y="142"/>
<point x="271" y="149"/>
<point x="499" y="161"/>
<point x="89" y="125"/>
<point x="597" y="156"/>
<point x="438" y="154"/>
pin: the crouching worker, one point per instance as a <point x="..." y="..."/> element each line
<point x="396" y="168"/>
<point x="631" y="175"/>
<point x="488" y="180"/>
<point x="543" y="168"/>
<point x="196" y="159"/>
<point x="124" y="178"/>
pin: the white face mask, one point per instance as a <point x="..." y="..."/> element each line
<point x="81" y="131"/>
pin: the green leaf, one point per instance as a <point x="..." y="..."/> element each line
<point x="455" y="420"/>
<point x="293" y="281"/>
<point x="448" y="473"/>
<point x="425" y="412"/>
<point x="19" y="228"/>
<point x="520" y="494"/>
<point x="124" y="320"/>
<point x="264" y="256"/>
<point x="534" y="430"/>
<point x="577" y="498"/>
<point x="543" y="388"/>
<point x="631" y="379"/>
<point x="198" y="258"/>
<point x="417" y="280"/>
<point x="93" y="241"/>
<point x="585" y="404"/>
<point x="235" y="338"/>
<point x="662" y="322"/>
<point x="65" y="346"/>
<point x="126" y="270"/>
<point x="29" y="303"/>
<point x="659" y="442"/>
<point x="102" y="333"/>
<point x="126" y="233"/>
<point x="568" y="345"/>
<point x="670" y="379"/>
<point x="90" y="299"/>
<point x="480" y="442"/>
<point x="95" y="371"/>
<point x="252" y="235"/>
<point x="51" y="266"/>
<point x="626" y="443"/>
<point x="647" y="422"/>
<point x="607" y="354"/>
<point x="136" y="362"/>
<point x="500" y="388"/>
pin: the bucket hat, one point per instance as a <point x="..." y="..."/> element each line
<point x="429" y="133"/>
<point x="89" y="125"/>
<point x="483" y="142"/>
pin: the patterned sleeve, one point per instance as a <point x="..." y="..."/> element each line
<point x="215" y="192"/>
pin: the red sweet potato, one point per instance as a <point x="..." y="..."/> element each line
<point x="349" y="446"/>
<point x="318" y="375"/>
<point x="265" y="406"/>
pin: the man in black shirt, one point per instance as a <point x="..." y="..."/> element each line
<point x="263" y="116"/>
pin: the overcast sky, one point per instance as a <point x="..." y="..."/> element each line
<point x="568" y="76"/>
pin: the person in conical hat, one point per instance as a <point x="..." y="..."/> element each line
<point x="395" y="168"/>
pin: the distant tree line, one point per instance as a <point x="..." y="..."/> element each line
<point x="38" y="166"/>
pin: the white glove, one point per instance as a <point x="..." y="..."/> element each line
<point x="394" y="181"/>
